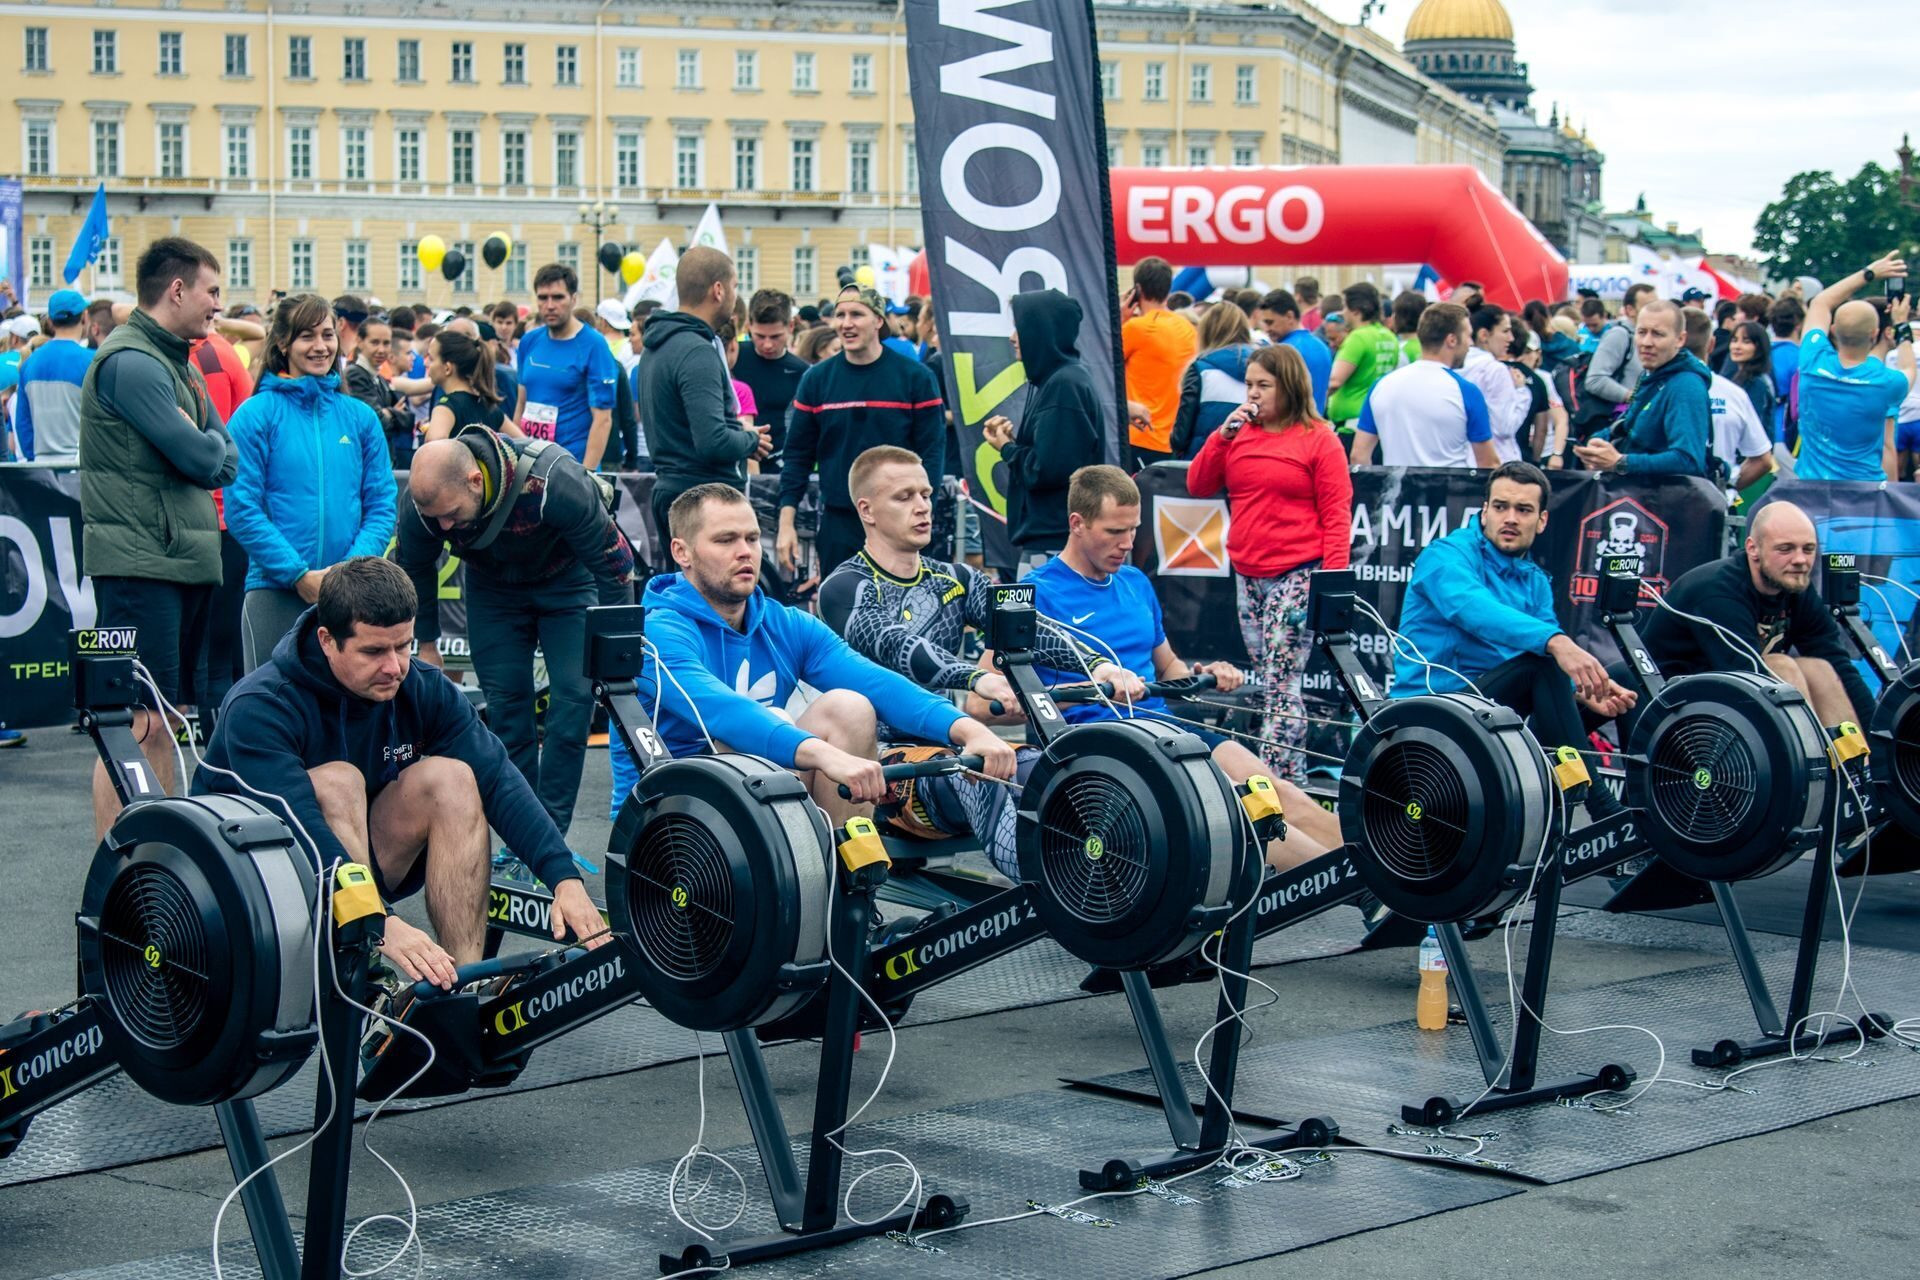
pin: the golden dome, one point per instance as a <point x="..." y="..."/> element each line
<point x="1459" y="20"/>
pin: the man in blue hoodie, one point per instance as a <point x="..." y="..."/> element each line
<point x="1479" y="609"/>
<point x="382" y="761"/>
<point x="1668" y="419"/>
<point x="725" y="660"/>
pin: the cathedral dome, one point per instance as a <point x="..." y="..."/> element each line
<point x="1460" y="20"/>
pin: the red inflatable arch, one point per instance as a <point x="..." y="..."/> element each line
<point x="1448" y="216"/>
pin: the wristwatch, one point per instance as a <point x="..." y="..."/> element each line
<point x="1868" y="273"/>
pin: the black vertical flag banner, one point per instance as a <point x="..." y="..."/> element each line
<point x="1013" y="194"/>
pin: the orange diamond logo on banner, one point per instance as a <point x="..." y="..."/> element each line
<point x="1190" y="537"/>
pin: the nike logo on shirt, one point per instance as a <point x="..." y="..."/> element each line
<point x="1083" y="617"/>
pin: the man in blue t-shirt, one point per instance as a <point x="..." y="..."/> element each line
<point x="1278" y="316"/>
<point x="47" y="413"/>
<point x="568" y="377"/>
<point x="1850" y="399"/>
<point x="1093" y="596"/>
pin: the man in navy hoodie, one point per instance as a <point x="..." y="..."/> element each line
<point x="383" y="762"/>
<point x="732" y="658"/>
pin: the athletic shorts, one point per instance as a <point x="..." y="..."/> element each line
<point x="412" y="882"/>
<point x="1906" y="436"/>
<point x="171" y="622"/>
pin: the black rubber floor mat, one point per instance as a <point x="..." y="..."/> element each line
<point x="999" y="1154"/>
<point x="1361" y="1079"/>
<point x="115" y="1124"/>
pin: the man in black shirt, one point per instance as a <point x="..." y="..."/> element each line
<point x="1765" y="597"/>
<point x="865" y="396"/>
<point x="770" y="370"/>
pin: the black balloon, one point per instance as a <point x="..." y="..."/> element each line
<point x="494" y="251"/>
<point x="453" y="265"/>
<point x="844" y="275"/>
<point x="610" y="255"/>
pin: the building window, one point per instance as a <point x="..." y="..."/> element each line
<point x="300" y="152"/>
<point x="464" y="282"/>
<point x="300" y="265"/>
<point x="515" y="69"/>
<point x="353" y="153"/>
<point x="40" y="262"/>
<point x="1153" y="155"/>
<point x="353" y="58"/>
<point x="1200" y="82"/>
<point x="803" y="73"/>
<point x="746" y="69"/>
<point x="1199" y="154"/>
<point x="513" y="157"/>
<point x="236" y="60"/>
<point x="106" y="53"/>
<point x="687" y="69"/>
<point x="746" y="265"/>
<point x="515" y="279"/>
<point x="1110" y="80"/>
<point x="686" y="160"/>
<point x="410" y="273"/>
<point x="566" y="64"/>
<point x="566" y="159"/>
<point x="407" y="167"/>
<point x="1244" y="82"/>
<point x="463" y="62"/>
<point x="106" y="148"/>
<point x="460" y="149"/>
<point x="860" y="167"/>
<point x="1246" y="157"/>
<point x="107" y="265"/>
<point x="239" y="148"/>
<point x="803" y="164"/>
<point x="172" y="56"/>
<point x="627" y="68"/>
<point x="358" y="274"/>
<point x="626" y="160"/>
<point x="36" y="59"/>
<point x="299" y="58"/>
<point x="409" y="53"/>
<point x="1314" y="90"/>
<point x="910" y="167"/>
<point x="39" y="148"/>
<point x="746" y="164"/>
<point x="862" y="78"/>
<point x="173" y="149"/>
<point x="1114" y="151"/>
<point x="806" y="276"/>
<point x="1155" y="86"/>
<point x="567" y="254"/>
<point x="239" y="264"/>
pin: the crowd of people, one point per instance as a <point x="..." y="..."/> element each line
<point x="240" y="508"/>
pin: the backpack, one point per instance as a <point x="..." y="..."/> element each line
<point x="535" y="458"/>
<point x="1586" y="413"/>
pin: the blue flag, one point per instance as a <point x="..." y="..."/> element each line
<point x="92" y="238"/>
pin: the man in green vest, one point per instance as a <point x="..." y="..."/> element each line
<point x="152" y="448"/>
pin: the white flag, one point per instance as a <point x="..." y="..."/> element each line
<point x="657" y="282"/>
<point x="710" y="233"/>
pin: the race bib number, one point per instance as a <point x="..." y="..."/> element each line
<point x="540" y="421"/>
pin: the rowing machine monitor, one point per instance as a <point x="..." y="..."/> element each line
<point x="1014" y="620"/>
<point x="1840" y="584"/>
<point x="102" y="661"/>
<point x="1330" y="608"/>
<point x="615" y="639"/>
<point x="1840" y="589"/>
<point x="1619" y="602"/>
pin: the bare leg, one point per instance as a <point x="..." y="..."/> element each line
<point x="1824" y="690"/>
<point x="1239" y="764"/>
<point x="433" y="811"/>
<point x="845" y="720"/>
<point x="157" y="745"/>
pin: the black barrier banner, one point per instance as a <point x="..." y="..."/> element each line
<point x="1668" y="523"/>
<point x="1013" y="192"/>
<point x="43" y="594"/>
<point x="1879" y="523"/>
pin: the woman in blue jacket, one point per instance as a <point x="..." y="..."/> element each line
<point x="1215" y="384"/>
<point x="315" y="485"/>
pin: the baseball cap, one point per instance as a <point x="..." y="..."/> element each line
<point x="611" y="311"/>
<point x="65" y="305"/>
<point x="866" y="297"/>
<point x="898" y="309"/>
<point x="21" y="327"/>
<point x="1694" y="295"/>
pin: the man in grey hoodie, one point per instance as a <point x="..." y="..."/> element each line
<point x="1615" y="367"/>
<point x="686" y="393"/>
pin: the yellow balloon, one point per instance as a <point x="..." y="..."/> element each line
<point x="632" y="267"/>
<point x="864" y="277"/>
<point x="430" y="251"/>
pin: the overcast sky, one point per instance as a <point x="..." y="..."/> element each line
<point x="1709" y="106"/>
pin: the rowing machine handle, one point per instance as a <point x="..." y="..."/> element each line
<point x="924" y="769"/>
<point x="478" y="970"/>
<point x="1155" y="688"/>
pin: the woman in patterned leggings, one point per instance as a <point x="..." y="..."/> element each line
<point x="1291" y="501"/>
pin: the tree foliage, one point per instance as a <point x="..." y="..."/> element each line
<point x="1825" y="228"/>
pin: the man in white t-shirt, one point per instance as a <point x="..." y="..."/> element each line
<point x="1425" y="414"/>
<point x="1743" y="446"/>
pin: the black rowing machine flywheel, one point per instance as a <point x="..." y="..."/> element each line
<point x="1733" y="772"/>
<point x="718" y="877"/>
<point x="1448" y="803"/>
<point x="1895" y="735"/>
<point x="1130" y="841"/>
<point x="196" y="936"/>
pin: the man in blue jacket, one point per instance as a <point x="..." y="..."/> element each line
<point x="383" y="762"/>
<point x="1668" y="421"/>
<point x="1479" y="609"/>
<point x="725" y="660"/>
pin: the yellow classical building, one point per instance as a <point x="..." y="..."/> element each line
<point x="310" y="143"/>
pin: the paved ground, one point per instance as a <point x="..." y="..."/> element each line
<point x="1835" y="1196"/>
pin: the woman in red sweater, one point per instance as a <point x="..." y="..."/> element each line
<point x="1291" y="499"/>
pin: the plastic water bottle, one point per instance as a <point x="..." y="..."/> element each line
<point x="1430" y="1011"/>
